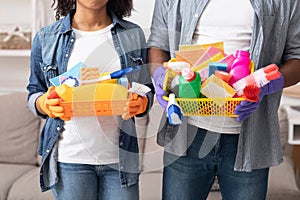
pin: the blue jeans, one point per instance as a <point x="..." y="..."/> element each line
<point x="91" y="182"/>
<point x="190" y="177"/>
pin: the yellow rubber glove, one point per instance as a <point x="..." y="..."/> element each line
<point x="134" y="106"/>
<point x="52" y="106"/>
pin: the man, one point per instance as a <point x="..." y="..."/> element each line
<point x="239" y="151"/>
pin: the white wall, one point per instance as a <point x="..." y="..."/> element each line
<point x="142" y="14"/>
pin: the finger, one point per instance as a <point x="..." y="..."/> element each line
<point x="135" y="103"/>
<point x="162" y="102"/>
<point x="52" y="102"/>
<point x="51" y="88"/>
<point x="58" y="114"/>
<point x="126" y="116"/>
<point x="56" y="109"/>
<point x="240" y="109"/>
<point x="65" y="118"/>
<point x="134" y="109"/>
<point x="160" y="92"/>
<point x="134" y="96"/>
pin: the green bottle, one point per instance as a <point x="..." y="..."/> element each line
<point x="189" y="84"/>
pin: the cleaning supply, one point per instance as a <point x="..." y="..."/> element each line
<point x="213" y="66"/>
<point x="174" y="86"/>
<point x="225" y="76"/>
<point x="174" y="111"/>
<point x="73" y="72"/>
<point x="240" y="66"/>
<point x="177" y="66"/>
<point x="189" y="84"/>
<point x="259" y="78"/>
<point x="203" y="67"/>
<point x="114" y="75"/>
<point x="214" y="87"/>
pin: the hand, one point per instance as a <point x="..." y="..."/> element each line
<point x="51" y="106"/>
<point x="245" y="108"/>
<point x="135" y="105"/>
<point x="159" y="77"/>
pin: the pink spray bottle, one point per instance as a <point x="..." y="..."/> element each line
<point x="240" y="66"/>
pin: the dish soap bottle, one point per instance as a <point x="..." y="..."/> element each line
<point x="240" y="66"/>
<point x="189" y="84"/>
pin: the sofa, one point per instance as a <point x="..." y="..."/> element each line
<point x="19" y="163"/>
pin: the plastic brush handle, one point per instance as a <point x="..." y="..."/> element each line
<point x="122" y="72"/>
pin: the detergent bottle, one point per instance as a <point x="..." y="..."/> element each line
<point x="189" y="84"/>
<point x="240" y="66"/>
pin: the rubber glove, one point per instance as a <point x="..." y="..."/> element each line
<point x="245" y="108"/>
<point x="43" y="102"/>
<point x="135" y="105"/>
<point x="51" y="106"/>
<point x="159" y="77"/>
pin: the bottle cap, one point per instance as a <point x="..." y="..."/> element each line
<point x="188" y="74"/>
<point x="242" y="53"/>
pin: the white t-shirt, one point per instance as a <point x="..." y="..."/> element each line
<point x="92" y="139"/>
<point x="231" y="22"/>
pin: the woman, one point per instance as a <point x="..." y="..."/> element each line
<point x="88" y="157"/>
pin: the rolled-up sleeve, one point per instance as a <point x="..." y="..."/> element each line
<point x="159" y="27"/>
<point x="36" y="86"/>
<point x="292" y="45"/>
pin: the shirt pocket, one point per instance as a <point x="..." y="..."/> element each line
<point x="135" y="60"/>
<point x="50" y="71"/>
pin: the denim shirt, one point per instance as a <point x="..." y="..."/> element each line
<point x="50" y="53"/>
<point x="275" y="39"/>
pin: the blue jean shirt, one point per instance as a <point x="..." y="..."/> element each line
<point x="275" y="39"/>
<point x="50" y="53"/>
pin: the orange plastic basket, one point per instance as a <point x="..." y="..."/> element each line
<point x="202" y="106"/>
<point x="96" y="108"/>
<point x="100" y="99"/>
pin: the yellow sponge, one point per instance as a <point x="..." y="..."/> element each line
<point x="214" y="87"/>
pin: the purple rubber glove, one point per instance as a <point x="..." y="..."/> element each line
<point x="159" y="77"/>
<point x="245" y="108"/>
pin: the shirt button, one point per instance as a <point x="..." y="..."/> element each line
<point x="58" y="128"/>
<point x="67" y="55"/>
<point x="196" y="15"/>
<point x="121" y="167"/>
<point x="47" y="150"/>
<point x="121" y="143"/>
<point x="72" y="40"/>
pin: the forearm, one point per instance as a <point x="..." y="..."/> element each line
<point x="156" y="57"/>
<point x="38" y="107"/>
<point x="291" y="72"/>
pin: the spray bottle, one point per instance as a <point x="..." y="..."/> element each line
<point x="189" y="84"/>
<point x="240" y="66"/>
